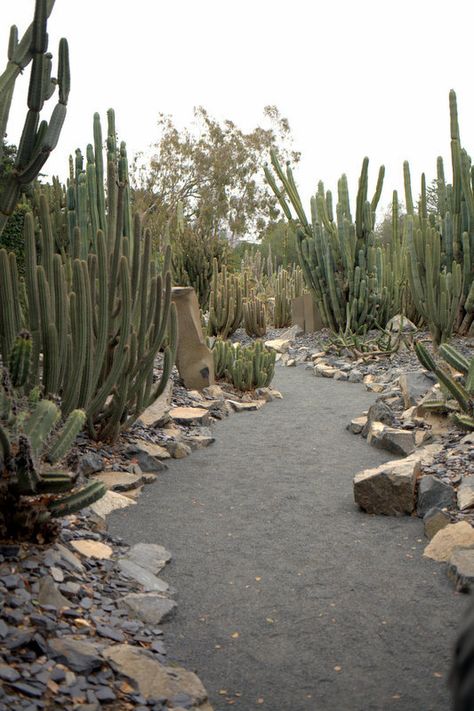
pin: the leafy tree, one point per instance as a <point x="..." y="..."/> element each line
<point x="11" y="238"/>
<point x="280" y="239"/>
<point x="215" y="170"/>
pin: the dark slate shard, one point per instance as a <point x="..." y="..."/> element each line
<point x="11" y="581"/>
<point x="434" y="493"/>
<point x="7" y="673"/>
<point x="77" y="655"/>
<point x="105" y="694"/>
<point x="110" y="633"/>
<point x="19" y="639"/>
<point x="3" y="629"/>
<point x="35" y="692"/>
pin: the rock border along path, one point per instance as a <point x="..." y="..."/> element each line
<point x="290" y="598"/>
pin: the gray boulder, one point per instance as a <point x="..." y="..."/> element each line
<point x="434" y="493"/>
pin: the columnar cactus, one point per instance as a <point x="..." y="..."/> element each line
<point x="38" y="139"/>
<point x="255" y="317"/>
<point x="225" y="303"/>
<point x="246" y="367"/>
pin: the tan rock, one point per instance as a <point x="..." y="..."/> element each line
<point x="111" y="501"/>
<point x="189" y="415"/>
<point x="280" y="345"/>
<point x="118" y="481"/>
<point x="194" y="359"/>
<point x="455" y="535"/>
<point x="375" y="387"/>
<point x="357" y="424"/>
<point x="214" y="392"/>
<point x="466" y="493"/>
<point x="92" y="549"/>
<point x="152" y="678"/>
<point x="178" y="450"/>
<point x="324" y="371"/>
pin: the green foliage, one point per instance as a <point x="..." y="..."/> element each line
<point x="460" y="390"/>
<point x="246" y="367"/>
<point x="38" y="138"/>
<point x="31" y="495"/>
<point x="11" y="239"/>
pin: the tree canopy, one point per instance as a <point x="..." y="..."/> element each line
<point x="215" y="170"/>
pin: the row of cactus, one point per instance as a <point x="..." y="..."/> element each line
<point x="460" y="391"/>
<point x="345" y="268"/>
<point x="38" y="138"/>
<point x="99" y="311"/>
<point x="32" y="493"/>
<point x="246" y="367"/>
<point x="441" y="246"/>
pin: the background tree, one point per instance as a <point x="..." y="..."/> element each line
<point x="215" y="170"/>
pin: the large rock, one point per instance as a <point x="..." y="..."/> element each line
<point x="280" y="345"/>
<point x="461" y="569"/>
<point x="151" y="608"/>
<point x="455" y="535"/>
<point x="389" y="489"/>
<point x="154" y="680"/>
<point x="414" y="385"/>
<point x="378" y="412"/>
<point x="92" y="549"/>
<point x="434" y="520"/>
<point x="466" y="493"/>
<point x="81" y="657"/>
<point x="401" y="323"/>
<point x="357" y="424"/>
<point x="194" y="359"/>
<point x="432" y="492"/>
<point x="143" y="576"/>
<point x="396" y="441"/>
<point x="146" y="462"/>
<point x="119" y="481"/>
<point x="154" y="450"/>
<point x="157" y="413"/>
<point x="246" y="406"/>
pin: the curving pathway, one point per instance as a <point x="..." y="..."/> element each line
<point x="290" y="599"/>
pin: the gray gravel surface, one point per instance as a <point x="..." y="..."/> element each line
<point x="291" y="599"/>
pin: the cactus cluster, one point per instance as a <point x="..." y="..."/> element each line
<point x="461" y="390"/>
<point x="246" y="367"/>
<point x="225" y="303"/>
<point x="32" y="494"/>
<point x="38" y="138"/>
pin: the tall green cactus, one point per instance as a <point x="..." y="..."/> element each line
<point x="38" y="139"/>
<point x="100" y="311"/>
<point x="344" y="266"/>
<point x="225" y="303"/>
<point x="246" y="367"/>
<point x="254" y="316"/>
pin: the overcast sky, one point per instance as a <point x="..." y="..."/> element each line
<point x="354" y="77"/>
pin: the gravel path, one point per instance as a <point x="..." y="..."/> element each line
<point x="290" y="599"/>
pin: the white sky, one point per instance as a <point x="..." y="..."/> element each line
<point x="354" y="78"/>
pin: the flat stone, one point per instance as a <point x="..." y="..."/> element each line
<point x="150" y="608"/>
<point x="468" y="439"/>
<point x="454" y="535"/>
<point x="357" y="424"/>
<point x="8" y="673"/>
<point x="190" y="415"/>
<point x="49" y="594"/>
<point x="153" y="678"/>
<point x="466" y="493"/>
<point x="158" y="412"/>
<point x="154" y="450"/>
<point x="178" y="450"/>
<point x="433" y="493"/>
<point x="401" y="442"/>
<point x="146" y="462"/>
<point x="434" y="520"/>
<point x="414" y="386"/>
<point x="246" y="406"/>
<point x="461" y="569"/>
<point x="321" y="370"/>
<point x="82" y="657"/>
<point x="389" y="489"/>
<point x="150" y="556"/>
<point x="375" y="387"/>
<point x="118" y="481"/>
<point x="92" y="549"/>
<point x="199" y="441"/>
<point x="149" y="581"/>
<point x="111" y="501"/>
